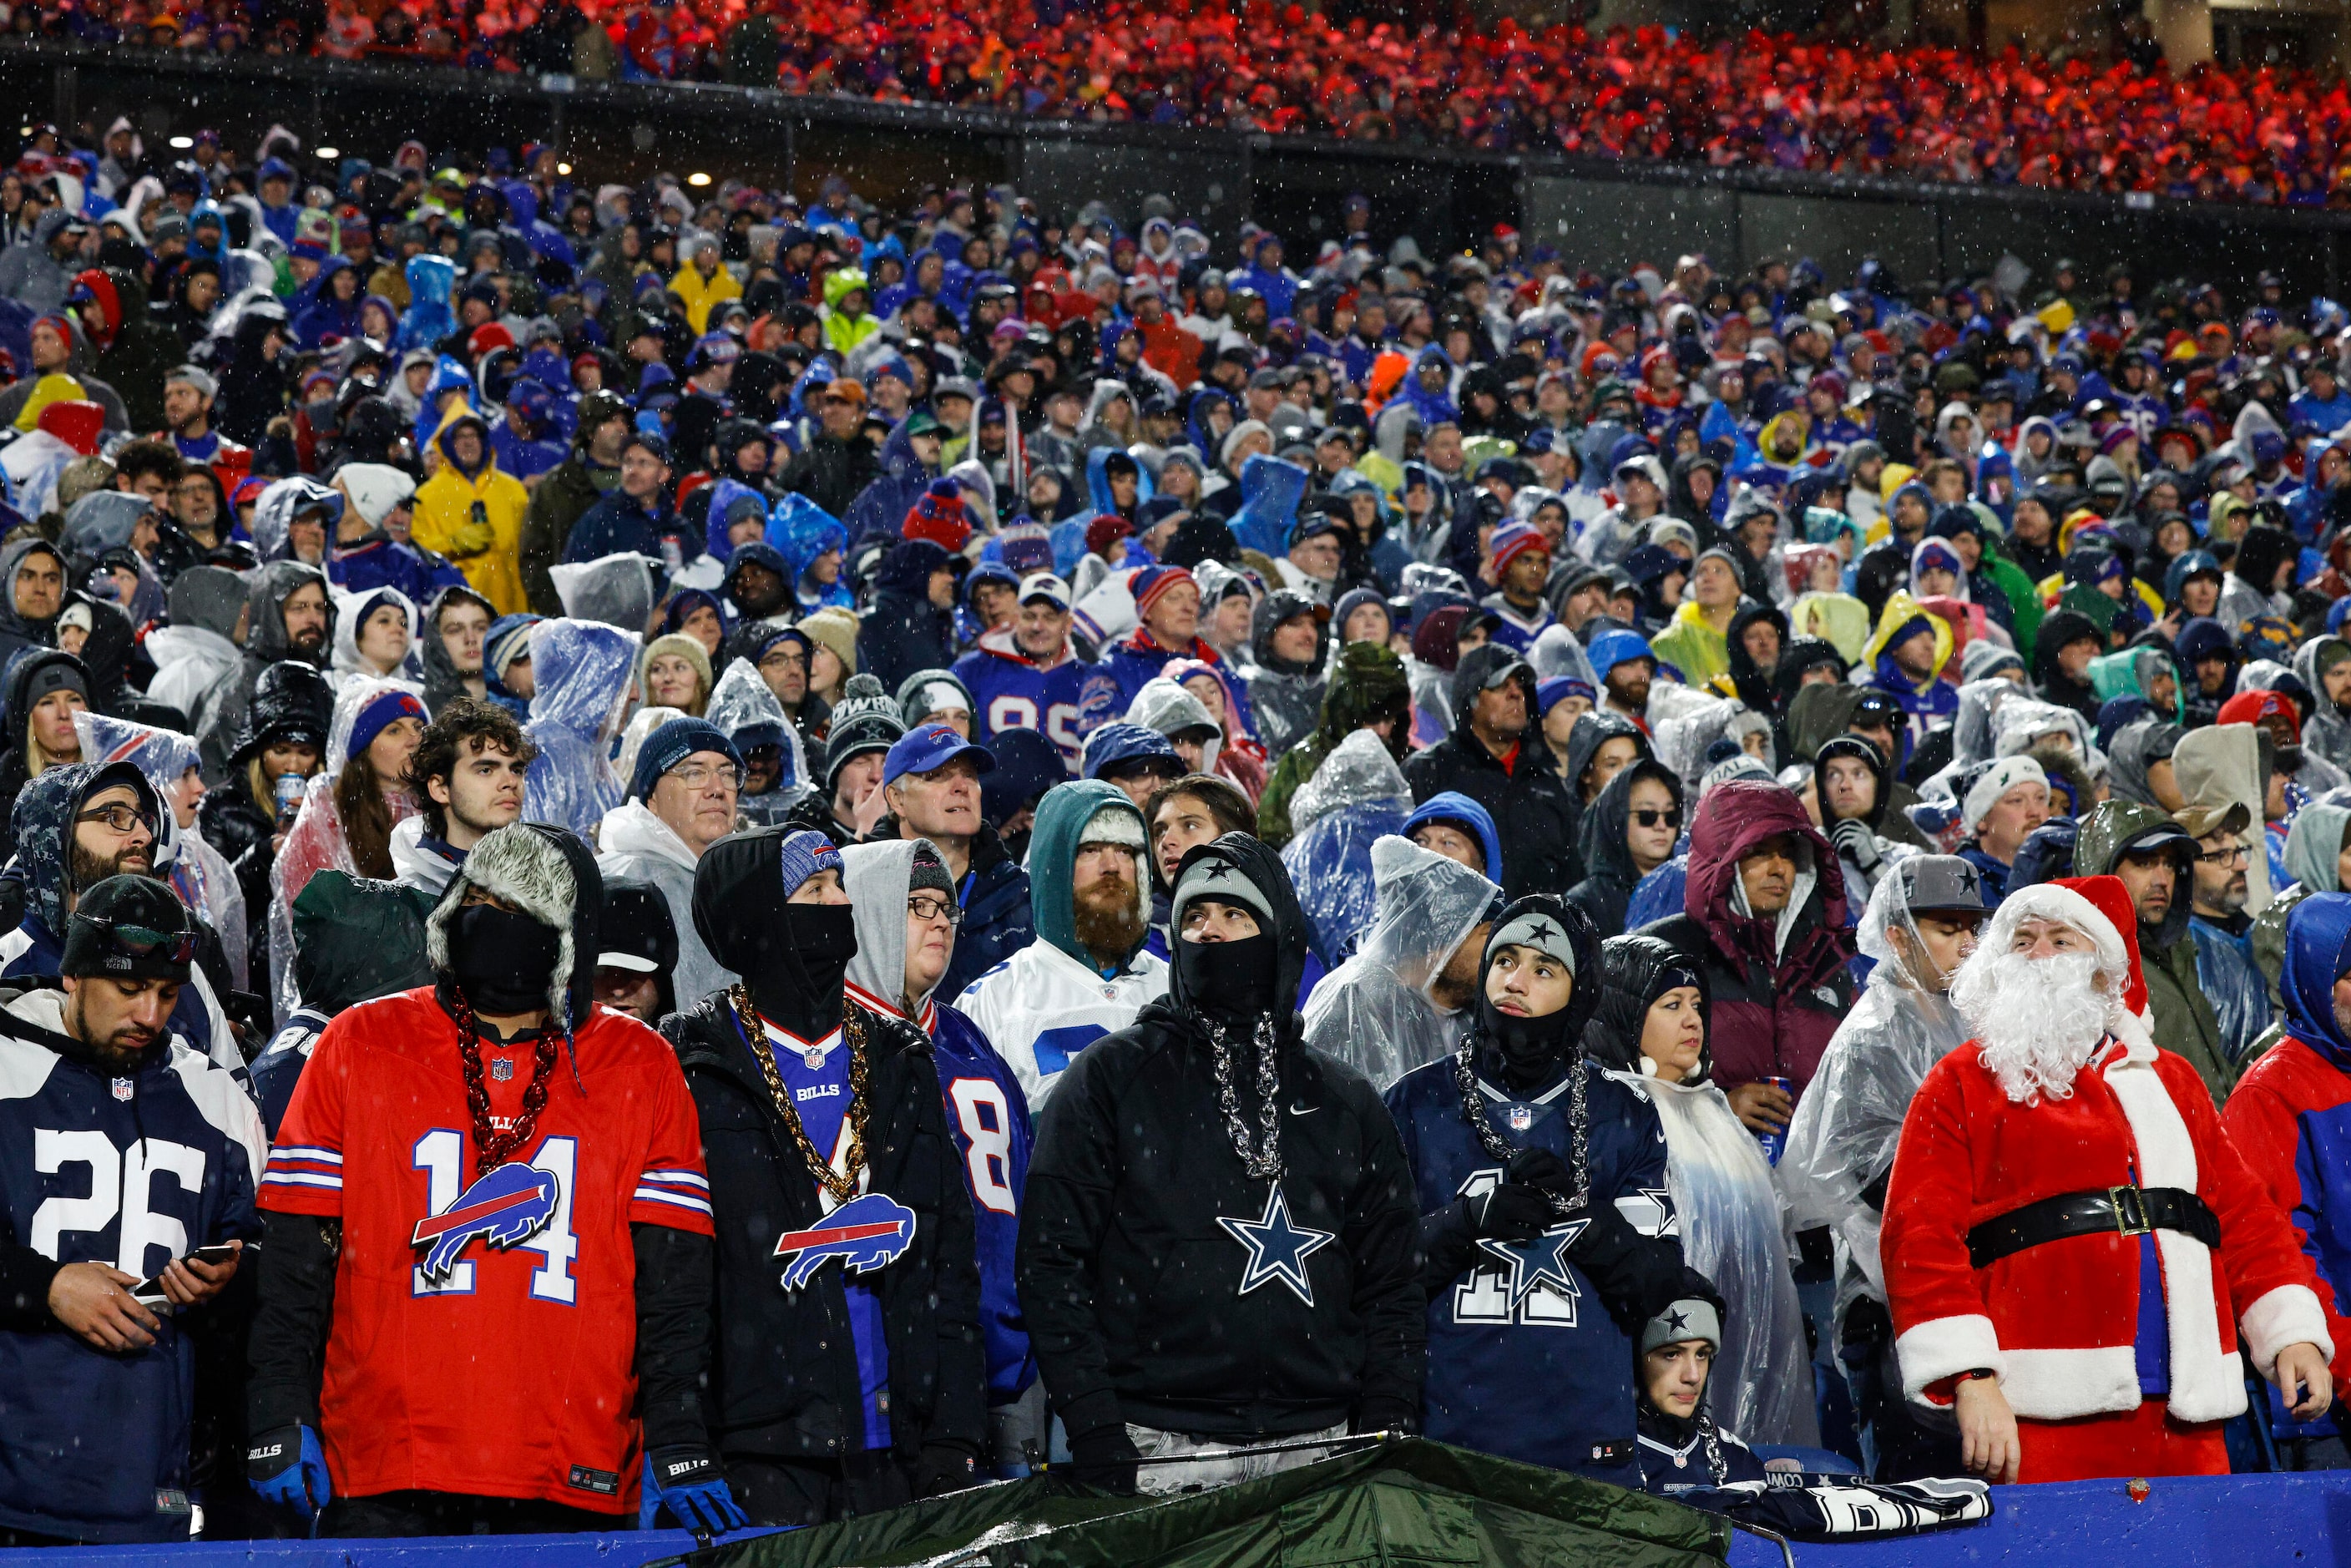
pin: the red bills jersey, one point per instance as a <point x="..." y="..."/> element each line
<point x="483" y="1339"/>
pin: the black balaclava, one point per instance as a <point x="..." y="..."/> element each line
<point x="795" y="974"/>
<point x="1231" y="981"/>
<point x="798" y="988"/>
<point x="502" y="960"/>
<point x="1234" y="982"/>
<point x="1532" y="1048"/>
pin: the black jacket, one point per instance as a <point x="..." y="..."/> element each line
<point x="832" y="473"/>
<point x="1533" y="810"/>
<point x="783" y="1367"/>
<point x="1130" y="1277"/>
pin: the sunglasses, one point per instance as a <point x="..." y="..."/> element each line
<point x="145" y="942"/>
<point x="1649" y="816"/>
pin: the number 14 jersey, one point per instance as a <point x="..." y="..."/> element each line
<point x="484" y="1337"/>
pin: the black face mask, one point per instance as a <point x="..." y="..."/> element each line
<point x="502" y="960"/>
<point x="798" y="987"/>
<point x="1233" y="980"/>
<point x="1531" y="1048"/>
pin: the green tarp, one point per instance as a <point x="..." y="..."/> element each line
<point x="1404" y="1504"/>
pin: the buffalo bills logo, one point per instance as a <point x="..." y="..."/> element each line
<point x="504" y="1208"/>
<point x="865" y="1233"/>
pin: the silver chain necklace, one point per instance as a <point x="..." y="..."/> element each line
<point x="1261" y="1158"/>
<point x="1579" y="1121"/>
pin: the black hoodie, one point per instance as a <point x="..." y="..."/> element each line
<point x="784" y="1379"/>
<point x="2062" y="627"/>
<point x="1610" y="875"/>
<point x="1635" y="971"/>
<point x="1754" y="687"/>
<point x="15" y="770"/>
<point x="1142" y="1303"/>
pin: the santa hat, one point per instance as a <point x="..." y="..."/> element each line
<point x="1150" y="583"/>
<point x="1514" y="540"/>
<point x="940" y="516"/>
<point x="1997" y="781"/>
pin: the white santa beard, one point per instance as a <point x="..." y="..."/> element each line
<point x="2036" y="1020"/>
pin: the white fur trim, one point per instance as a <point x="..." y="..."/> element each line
<point x="521" y="866"/>
<point x="2047" y="901"/>
<point x="2061" y="1385"/>
<point x="1945" y="1347"/>
<point x="2288" y="1315"/>
<point x="2205" y="1384"/>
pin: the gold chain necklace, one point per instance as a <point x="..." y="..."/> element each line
<point x="841" y="1185"/>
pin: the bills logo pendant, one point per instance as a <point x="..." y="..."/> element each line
<point x="502" y="1067"/>
<point x="865" y="1233"/>
<point x="503" y="1210"/>
<point x="122" y="1088"/>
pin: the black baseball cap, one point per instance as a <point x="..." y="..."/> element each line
<point x="129" y="927"/>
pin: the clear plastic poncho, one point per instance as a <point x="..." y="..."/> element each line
<point x="616" y="590"/>
<point x="1732" y="1233"/>
<point x="315" y="842"/>
<point x="198" y="873"/>
<point x="1356" y="797"/>
<point x="585" y="670"/>
<point x="1558" y="652"/>
<point x="740" y="701"/>
<point x="1842" y="1141"/>
<point x="1374" y="1012"/>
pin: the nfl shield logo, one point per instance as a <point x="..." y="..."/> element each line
<point x="1521" y="1118"/>
<point x="122" y="1088"/>
<point x="501" y="1068"/>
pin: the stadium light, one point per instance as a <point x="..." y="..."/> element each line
<point x="697" y="178"/>
<point x="182" y="143"/>
<point x="563" y="167"/>
<point x="329" y="154"/>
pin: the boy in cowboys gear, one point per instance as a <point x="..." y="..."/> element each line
<point x="1547" y="1233"/>
<point x="1218" y="1248"/>
<point x="849" y="1374"/>
<point x="485" y="1298"/>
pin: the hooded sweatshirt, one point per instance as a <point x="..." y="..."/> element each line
<point x="1053" y="997"/>
<point x="1169" y="1289"/>
<point x="1610" y="875"/>
<point x="986" y="1112"/>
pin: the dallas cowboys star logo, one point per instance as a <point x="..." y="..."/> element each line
<point x="1277" y="1249"/>
<point x="1537" y="1262"/>
<point x="1543" y="933"/>
<point x="1217" y="870"/>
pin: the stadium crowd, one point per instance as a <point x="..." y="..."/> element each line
<point x="2114" y="120"/>
<point x="1592" y="866"/>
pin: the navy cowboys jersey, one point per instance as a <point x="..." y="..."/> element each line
<point x="1524" y="1360"/>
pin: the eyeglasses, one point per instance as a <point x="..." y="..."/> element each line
<point x="142" y="941"/>
<point x="2238" y="855"/>
<point x="701" y="775"/>
<point x="1650" y="816"/>
<point x="118" y="818"/>
<point x="927" y="907"/>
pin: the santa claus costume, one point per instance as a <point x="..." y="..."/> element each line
<point x="2066" y="1215"/>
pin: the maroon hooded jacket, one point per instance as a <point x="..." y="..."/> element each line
<point x="1772" y="1014"/>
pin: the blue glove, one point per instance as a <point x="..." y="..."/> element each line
<point x="287" y="1468"/>
<point x="684" y="1480"/>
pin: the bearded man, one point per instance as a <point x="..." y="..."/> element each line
<point x="2071" y="1244"/>
<point x="1087" y="974"/>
